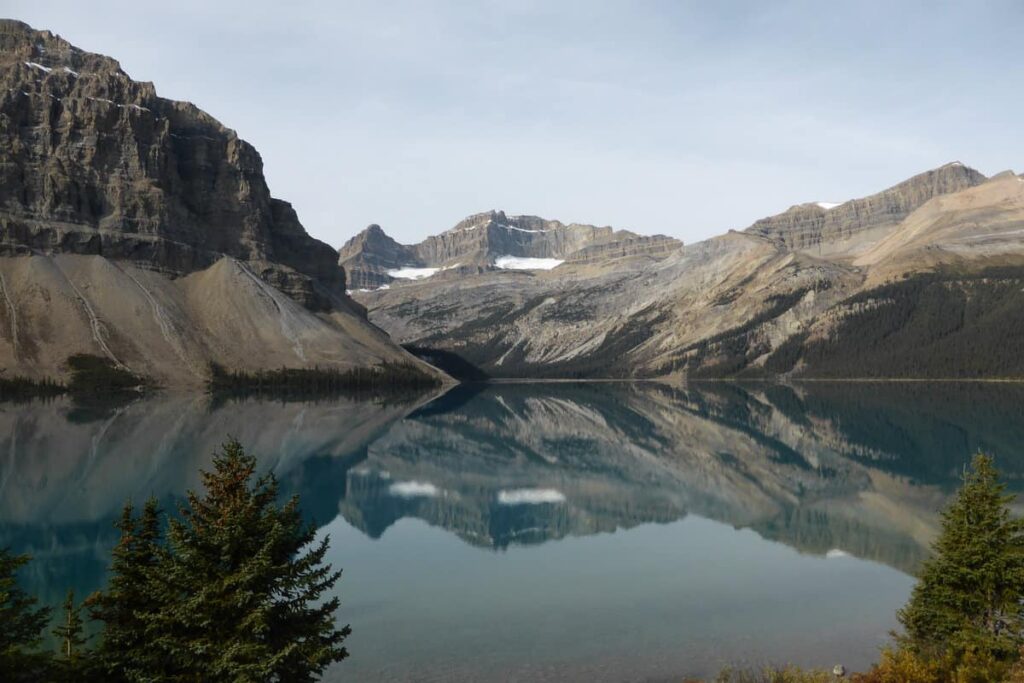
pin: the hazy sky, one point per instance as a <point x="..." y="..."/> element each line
<point x="674" y="117"/>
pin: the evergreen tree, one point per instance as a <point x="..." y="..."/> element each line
<point x="969" y="594"/>
<point x="21" y="625"/>
<point x="73" y="662"/>
<point x="130" y="601"/>
<point x="243" y="584"/>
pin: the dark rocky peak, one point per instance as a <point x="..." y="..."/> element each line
<point x="92" y="162"/>
<point x="367" y="258"/>
<point x="808" y="225"/>
<point x="47" y="52"/>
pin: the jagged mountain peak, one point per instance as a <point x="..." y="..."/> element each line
<point x="487" y="241"/>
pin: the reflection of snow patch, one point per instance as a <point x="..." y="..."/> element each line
<point x="836" y="553"/>
<point x="530" y="496"/>
<point x="829" y="205"/>
<point x="526" y="263"/>
<point x="413" y="489"/>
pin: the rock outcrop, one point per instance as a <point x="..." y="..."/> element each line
<point x="141" y="229"/>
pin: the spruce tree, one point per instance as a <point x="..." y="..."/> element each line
<point x="21" y="624"/>
<point x="243" y="584"/>
<point x="969" y="594"/>
<point x="130" y="601"/>
<point x="73" y="661"/>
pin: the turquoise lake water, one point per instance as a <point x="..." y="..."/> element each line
<point x="550" y="532"/>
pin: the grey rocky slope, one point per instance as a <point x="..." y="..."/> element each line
<point x="789" y="295"/>
<point x="141" y="229"/>
<point x="480" y="243"/>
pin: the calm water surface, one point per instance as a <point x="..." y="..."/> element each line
<point x="597" y="532"/>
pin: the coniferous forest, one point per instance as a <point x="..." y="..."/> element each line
<point x="232" y="588"/>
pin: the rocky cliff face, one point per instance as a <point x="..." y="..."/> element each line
<point x="141" y="229"/>
<point x="92" y="162"/>
<point x="476" y="245"/>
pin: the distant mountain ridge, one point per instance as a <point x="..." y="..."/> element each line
<point x="811" y="225"/>
<point x="923" y="279"/>
<point x="478" y="242"/>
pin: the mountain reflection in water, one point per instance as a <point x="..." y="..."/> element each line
<point x="855" y="469"/>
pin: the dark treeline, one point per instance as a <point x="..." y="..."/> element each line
<point x="90" y="376"/>
<point x="98" y="375"/>
<point x="233" y="588"/>
<point x="934" y="325"/>
<point x="16" y="387"/>
<point x="381" y="379"/>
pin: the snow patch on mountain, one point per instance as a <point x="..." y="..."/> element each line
<point x="412" y="273"/>
<point x="526" y="263"/>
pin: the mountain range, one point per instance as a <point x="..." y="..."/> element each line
<point x="142" y="230"/>
<point x="923" y="279"/>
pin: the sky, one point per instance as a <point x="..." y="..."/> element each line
<point x="674" y="117"/>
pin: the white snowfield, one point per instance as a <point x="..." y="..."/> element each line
<point x="526" y="263"/>
<point x="530" y="496"/>
<point x="37" y="65"/>
<point x="410" y="273"/>
<point x="829" y="205"/>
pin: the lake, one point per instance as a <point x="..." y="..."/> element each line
<point x="557" y="531"/>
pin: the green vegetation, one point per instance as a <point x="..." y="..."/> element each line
<point x="943" y="324"/>
<point x="101" y="376"/>
<point x="92" y="377"/>
<point x="964" y="622"/>
<point x="17" y="387"/>
<point x="304" y="382"/>
<point x="22" y="622"/>
<point x="787" y="674"/>
<point x="235" y="591"/>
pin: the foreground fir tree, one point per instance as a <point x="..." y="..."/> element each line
<point x="74" y="661"/>
<point x="242" y="584"/>
<point x="130" y="601"/>
<point x="969" y="596"/>
<point x="21" y="625"/>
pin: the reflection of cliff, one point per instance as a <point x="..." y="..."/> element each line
<point x="855" y="468"/>
<point x="819" y="467"/>
<point x="65" y="472"/>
